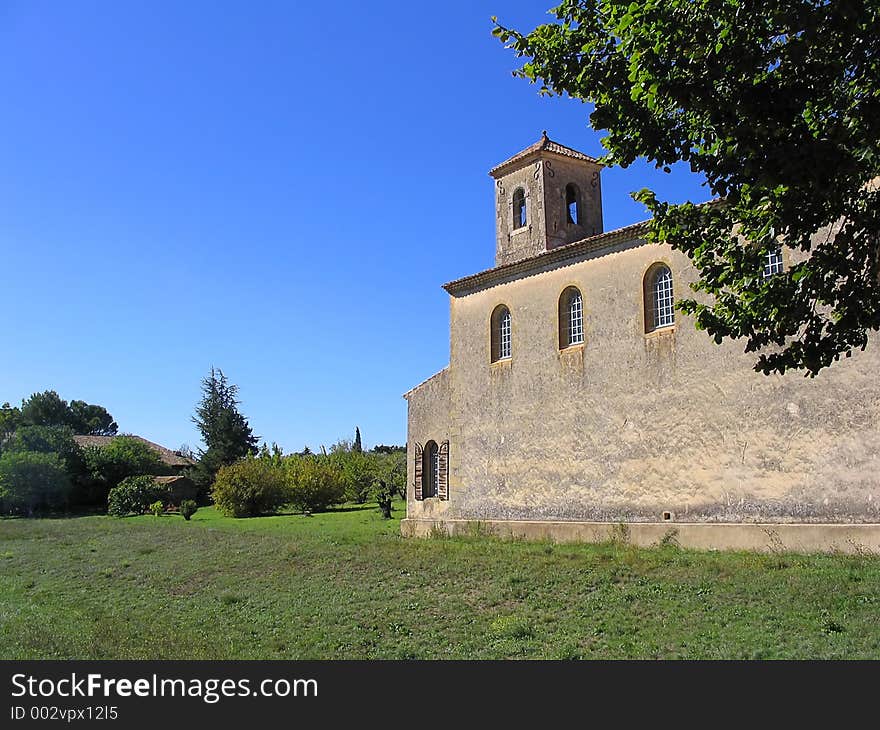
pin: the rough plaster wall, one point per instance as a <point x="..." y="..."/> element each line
<point x="630" y="425"/>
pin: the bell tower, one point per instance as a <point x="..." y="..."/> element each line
<point x="546" y="196"/>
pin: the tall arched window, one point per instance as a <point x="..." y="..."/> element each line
<point x="773" y="262"/>
<point x="501" y="340"/>
<point x="519" y="208"/>
<point x="571" y="318"/>
<point x="431" y="470"/>
<point x="572" y="204"/>
<point x="659" y="298"/>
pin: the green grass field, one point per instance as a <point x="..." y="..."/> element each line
<point x="344" y="585"/>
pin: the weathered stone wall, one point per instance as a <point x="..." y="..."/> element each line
<point x="543" y="179"/>
<point x="630" y="425"/>
<point x="515" y="244"/>
<point x="430" y="419"/>
<point x="559" y="172"/>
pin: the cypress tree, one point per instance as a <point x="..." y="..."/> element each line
<point x="225" y="431"/>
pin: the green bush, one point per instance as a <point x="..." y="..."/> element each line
<point x="156" y="508"/>
<point x="188" y="508"/>
<point x="124" y="456"/>
<point x="250" y="487"/>
<point x="134" y="495"/>
<point x="313" y="483"/>
<point x="31" y="482"/>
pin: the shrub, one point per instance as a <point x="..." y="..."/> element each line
<point x="124" y="456"/>
<point x="133" y="495"/>
<point x="313" y="483"/>
<point x="156" y="508"/>
<point x="188" y="508"/>
<point x="249" y="487"/>
<point x="31" y="481"/>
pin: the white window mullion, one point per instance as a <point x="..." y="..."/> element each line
<point x="504" y="338"/>
<point x="576" y="319"/>
<point x="664" y="311"/>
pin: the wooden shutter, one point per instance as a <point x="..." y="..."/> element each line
<point x="418" y="471"/>
<point x="443" y="481"/>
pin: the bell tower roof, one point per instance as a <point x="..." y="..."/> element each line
<point x="545" y="144"/>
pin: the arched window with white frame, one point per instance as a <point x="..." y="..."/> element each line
<point x="571" y="318"/>
<point x="501" y="333"/>
<point x="659" y="298"/>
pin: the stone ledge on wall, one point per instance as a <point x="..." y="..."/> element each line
<point x="803" y="538"/>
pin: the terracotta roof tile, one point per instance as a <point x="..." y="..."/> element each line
<point x="168" y="457"/>
<point x="545" y="144"/>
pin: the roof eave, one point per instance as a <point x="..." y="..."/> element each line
<point x="520" y="159"/>
<point x="555" y="255"/>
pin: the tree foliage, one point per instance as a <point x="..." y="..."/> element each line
<point x="249" y="488"/>
<point x="123" y="457"/>
<point x="32" y="482"/>
<point x="10" y="420"/>
<point x="134" y="495"/>
<point x="314" y="482"/>
<point x="777" y="104"/>
<point x="49" y="409"/>
<point x="225" y="431"/>
<point x="50" y="440"/>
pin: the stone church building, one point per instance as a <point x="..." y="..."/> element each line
<point x="579" y="405"/>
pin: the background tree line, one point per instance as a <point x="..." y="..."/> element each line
<point x="244" y="481"/>
<point x="43" y="468"/>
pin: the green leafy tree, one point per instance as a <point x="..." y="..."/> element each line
<point x="91" y="419"/>
<point x="32" y="482"/>
<point x="357" y="446"/>
<point x="355" y="471"/>
<point x="49" y="409"/>
<point x="225" y="431"/>
<point x="313" y="483"/>
<point x="51" y="440"/>
<point x="390" y="470"/>
<point x="10" y="420"/>
<point x="777" y="104"/>
<point x="45" y="409"/>
<point x="249" y="488"/>
<point x="384" y="449"/>
<point x="124" y="456"/>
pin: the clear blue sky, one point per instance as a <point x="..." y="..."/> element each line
<point x="275" y="188"/>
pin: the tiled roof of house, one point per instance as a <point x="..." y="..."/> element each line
<point x="545" y="144"/>
<point x="551" y="258"/>
<point x="168" y="457"/>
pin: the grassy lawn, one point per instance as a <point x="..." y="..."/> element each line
<point x="345" y="585"/>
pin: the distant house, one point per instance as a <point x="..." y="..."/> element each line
<point x="174" y="460"/>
